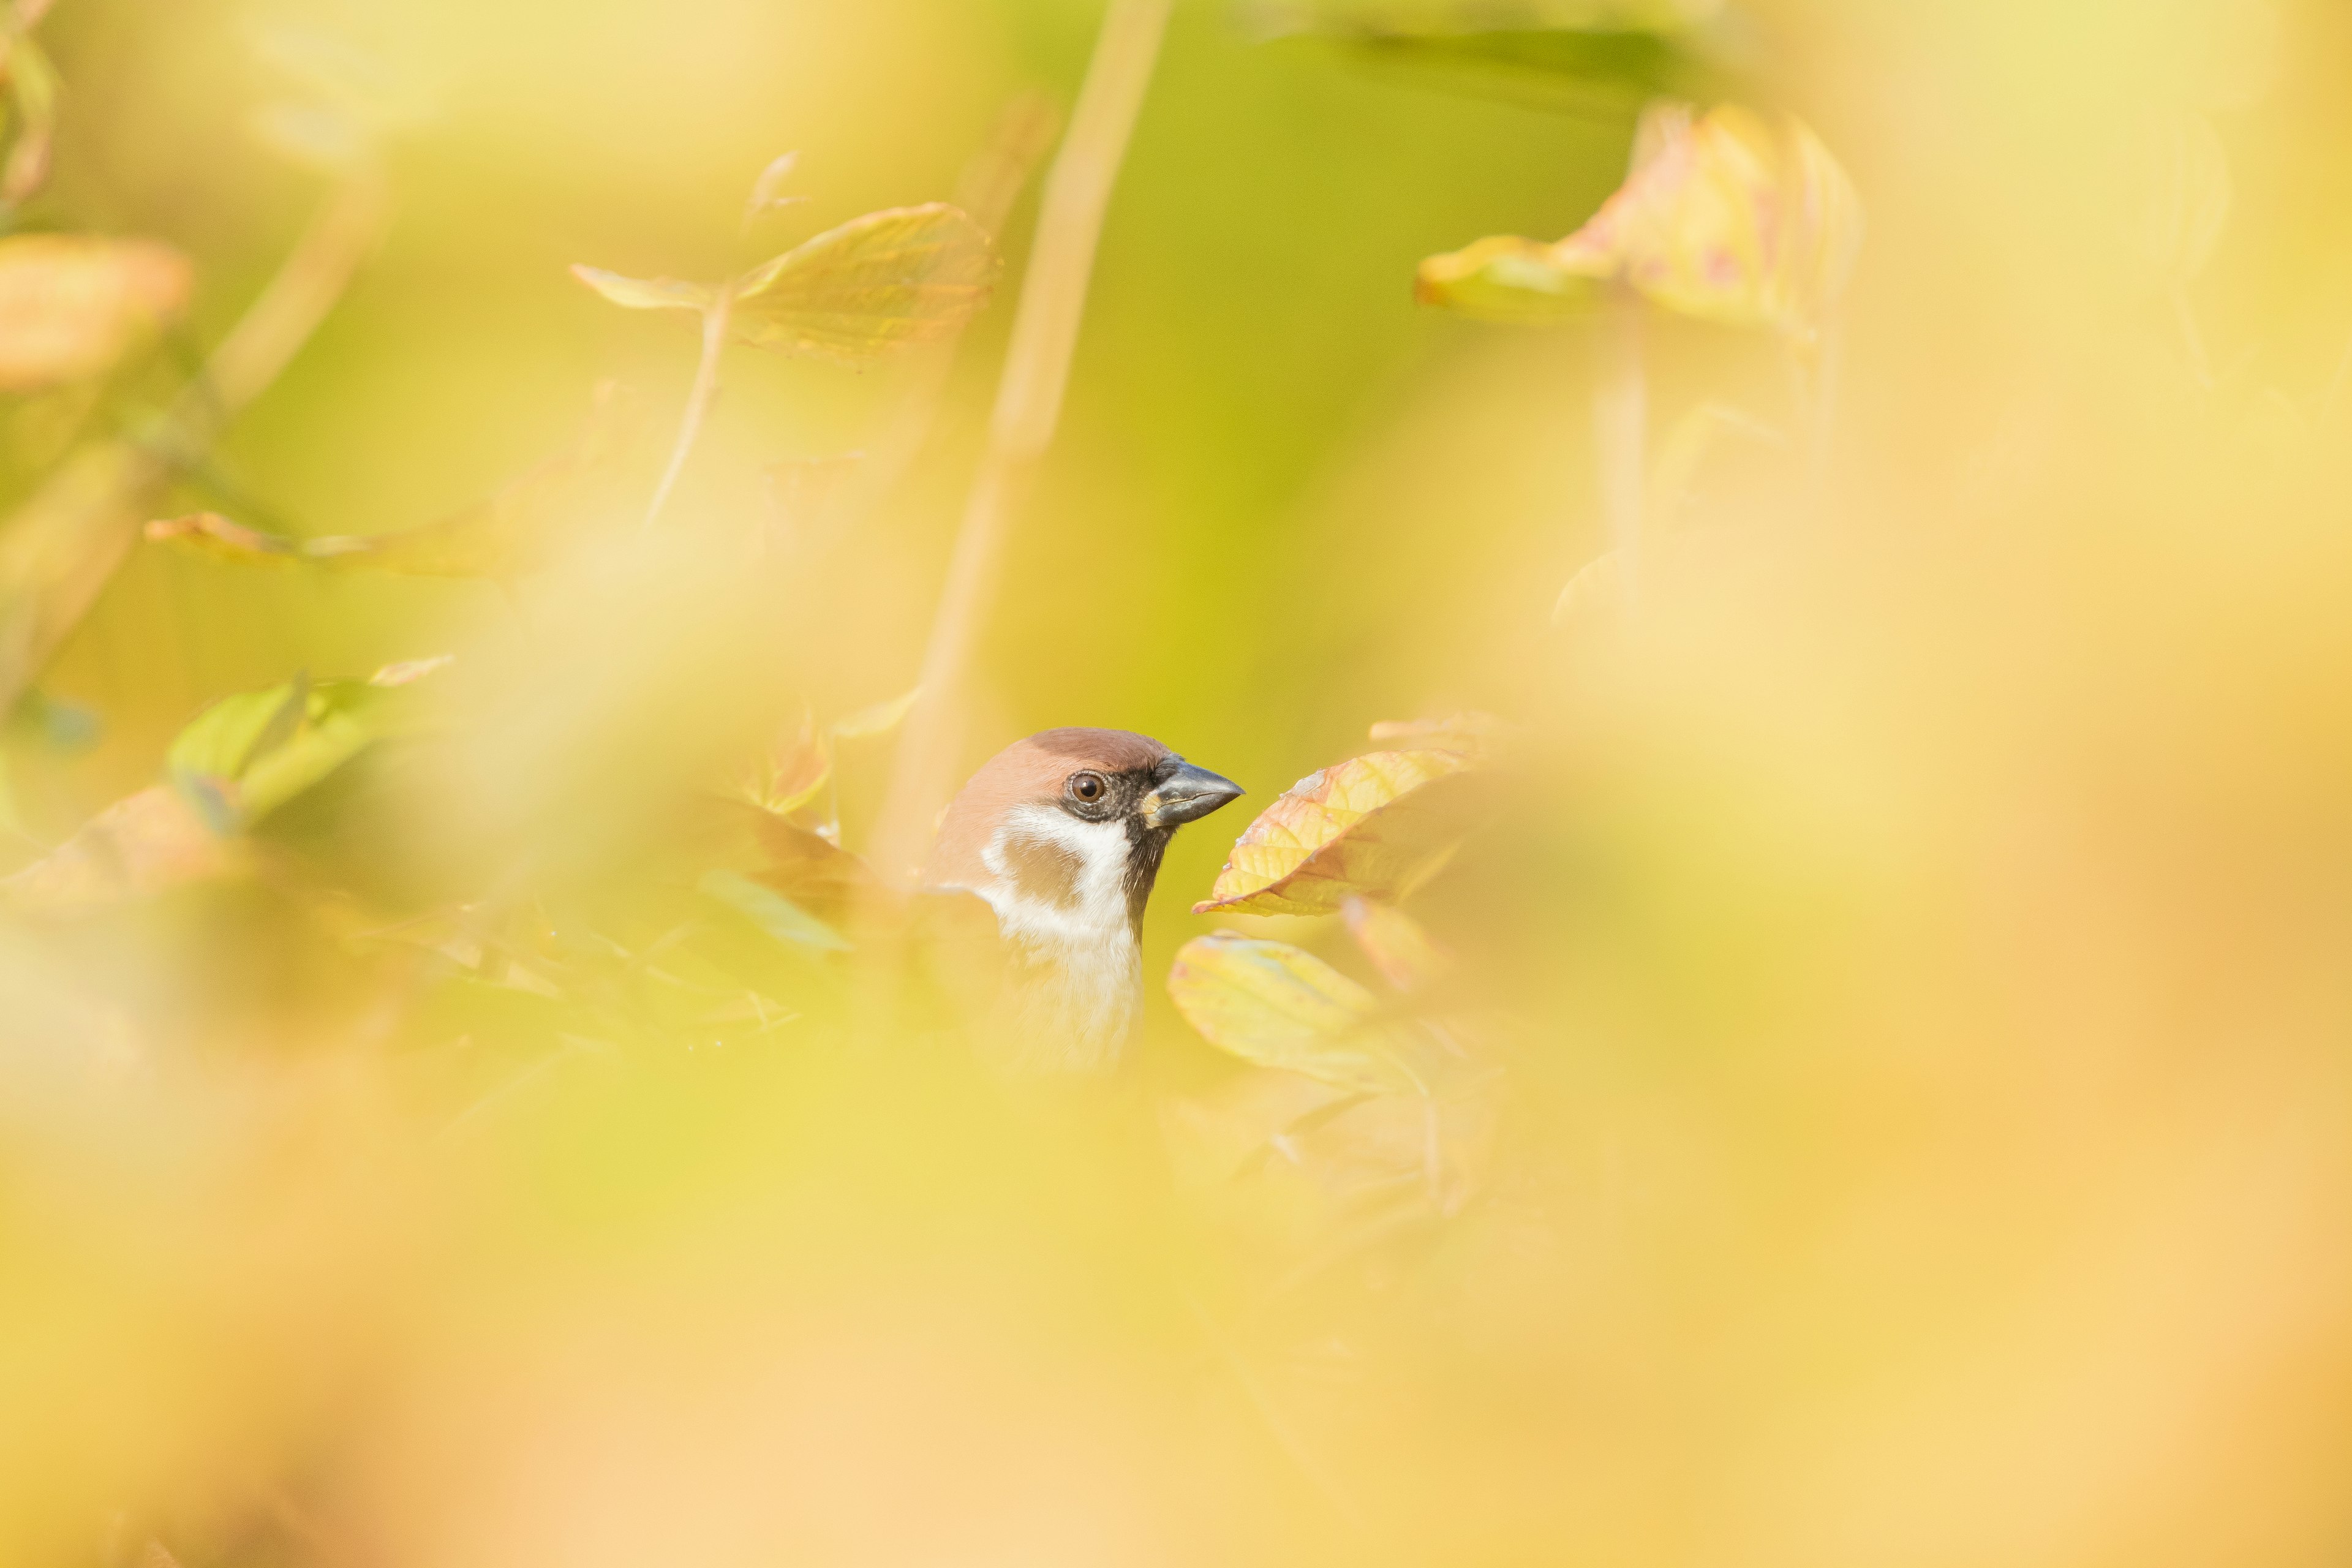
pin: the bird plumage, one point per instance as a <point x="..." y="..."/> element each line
<point x="1062" y="834"/>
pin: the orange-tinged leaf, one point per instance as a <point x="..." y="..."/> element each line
<point x="150" y="843"/>
<point x="1353" y="829"/>
<point x="647" y="293"/>
<point x="1726" y="217"/>
<point x="905" y="274"/>
<point x="1278" y="1006"/>
<point x="71" y="305"/>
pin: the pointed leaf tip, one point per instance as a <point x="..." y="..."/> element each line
<point x="645" y="293"/>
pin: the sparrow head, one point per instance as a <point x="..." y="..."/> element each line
<point x="1062" y="836"/>
<point x="1073" y="821"/>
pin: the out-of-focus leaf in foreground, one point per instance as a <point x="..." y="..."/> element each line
<point x="72" y="305"/>
<point x="234" y="764"/>
<point x="1278" y="1006"/>
<point x="1369" y="825"/>
<point x="1406" y="955"/>
<point x="906" y="275"/>
<point x="147" y="844"/>
<point x="796" y="771"/>
<point x="1725" y="218"/>
<point x="771" y="911"/>
<point x="249" y="754"/>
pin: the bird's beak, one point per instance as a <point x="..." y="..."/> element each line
<point x="1187" y="795"/>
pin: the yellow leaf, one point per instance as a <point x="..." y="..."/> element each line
<point x="71" y="305"/>
<point x="1280" y="1006"/>
<point x="1405" y="954"/>
<point x="1505" y="279"/>
<point x="1368" y="825"/>
<point x="647" y="293"/>
<point x="791" y="776"/>
<point x="902" y="276"/>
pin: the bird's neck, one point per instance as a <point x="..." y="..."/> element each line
<point x="1069" y="898"/>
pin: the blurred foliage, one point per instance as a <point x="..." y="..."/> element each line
<point x="1826" y="1044"/>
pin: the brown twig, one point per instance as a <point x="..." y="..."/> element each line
<point x="1028" y="408"/>
<point x="990" y="184"/>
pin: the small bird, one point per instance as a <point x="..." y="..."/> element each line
<point x="1061" y="834"/>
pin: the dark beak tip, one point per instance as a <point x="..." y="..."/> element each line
<point x="1196" y="792"/>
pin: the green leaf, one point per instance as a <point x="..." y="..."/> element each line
<point x="771" y="913"/>
<point x="906" y="274"/>
<point x="647" y="293"/>
<point x="226" y="738"/>
<point x="1276" y="1005"/>
<point x="247" y="756"/>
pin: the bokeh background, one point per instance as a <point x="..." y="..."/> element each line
<point x="1907" y="958"/>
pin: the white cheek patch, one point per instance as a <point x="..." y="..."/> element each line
<point x="1066" y="877"/>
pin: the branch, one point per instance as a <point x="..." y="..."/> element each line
<point x="1028" y="409"/>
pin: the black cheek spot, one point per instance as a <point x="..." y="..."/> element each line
<point x="1043" y="869"/>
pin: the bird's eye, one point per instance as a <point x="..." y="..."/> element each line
<point x="1087" y="787"/>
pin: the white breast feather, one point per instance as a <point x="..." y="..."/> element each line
<point x="1085" y="983"/>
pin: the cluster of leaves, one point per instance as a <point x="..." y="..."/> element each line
<point x="1355" y="840"/>
<point x="741" y="918"/>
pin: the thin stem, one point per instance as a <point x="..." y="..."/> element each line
<point x="1621" y="419"/>
<point x="697" y="400"/>
<point x="1028" y="409"/>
